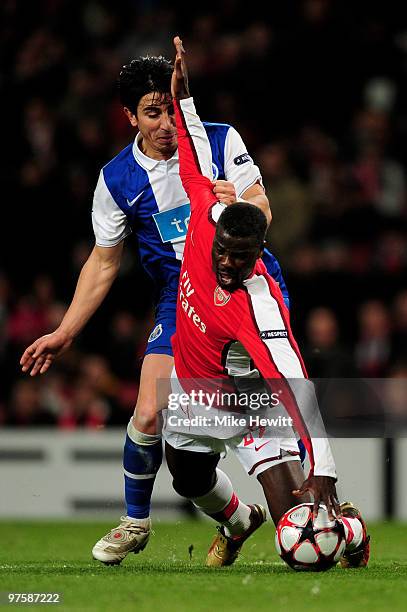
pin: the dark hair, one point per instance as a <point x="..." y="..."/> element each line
<point x="142" y="76"/>
<point x="243" y="220"/>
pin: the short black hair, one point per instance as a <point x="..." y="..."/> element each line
<point x="142" y="76"/>
<point x="243" y="220"/>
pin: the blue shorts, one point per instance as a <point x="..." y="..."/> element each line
<point x="159" y="341"/>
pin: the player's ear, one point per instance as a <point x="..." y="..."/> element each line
<point x="130" y="116"/>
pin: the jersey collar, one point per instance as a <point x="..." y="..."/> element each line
<point x="252" y="279"/>
<point x="148" y="162"/>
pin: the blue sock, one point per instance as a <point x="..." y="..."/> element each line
<point x="141" y="463"/>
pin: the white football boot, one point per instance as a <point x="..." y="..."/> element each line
<point x="128" y="537"/>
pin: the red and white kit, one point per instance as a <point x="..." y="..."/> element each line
<point x="209" y="319"/>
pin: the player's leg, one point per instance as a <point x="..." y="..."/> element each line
<point x="196" y="477"/>
<point x="278" y="482"/>
<point x="142" y="455"/>
<point x="143" y="447"/>
<point x="275" y="462"/>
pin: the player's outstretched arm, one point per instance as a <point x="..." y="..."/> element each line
<point x="195" y="156"/>
<point x="94" y="282"/>
<point x="223" y="190"/>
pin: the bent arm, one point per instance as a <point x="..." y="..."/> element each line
<point x="245" y="175"/>
<point x="256" y="196"/>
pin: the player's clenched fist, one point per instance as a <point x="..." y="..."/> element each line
<point x="41" y="353"/>
<point x="224" y="191"/>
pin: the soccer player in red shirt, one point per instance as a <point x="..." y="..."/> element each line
<point x="226" y="295"/>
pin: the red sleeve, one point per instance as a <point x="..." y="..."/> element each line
<point x="198" y="187"/>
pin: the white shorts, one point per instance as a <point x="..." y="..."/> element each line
<point x="256" y="454"/>
<point x="256" y="447"/>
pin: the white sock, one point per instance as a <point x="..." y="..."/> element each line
<point x="239" y="522"/>
<point x="223" y="505"/>
<point x="353" y="532"/>
<point x="142" y="522"/>
<point x="138" y="437"/>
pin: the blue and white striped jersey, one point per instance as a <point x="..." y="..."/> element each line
<point x="138" y="194"/>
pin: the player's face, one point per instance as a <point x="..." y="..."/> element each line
<point x="155" y="120"/>
<point x="233" y="259"/>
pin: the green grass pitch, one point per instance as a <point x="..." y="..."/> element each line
<point x="50" y="557"/>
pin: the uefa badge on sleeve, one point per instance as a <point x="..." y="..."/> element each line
<point x="221" y="297"/>
<point x="156" y="333"/>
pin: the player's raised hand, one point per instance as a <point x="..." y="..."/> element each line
<point x="179" y="81"/>
<point x="224" y="191"/>
<point x="323" y="490"/>
<point x="41" y="353"/>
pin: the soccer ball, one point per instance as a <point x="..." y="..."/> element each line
<point x="310" y="545"/>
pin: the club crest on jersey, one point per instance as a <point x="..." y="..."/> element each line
<point x="156" y="333"/>
<point x="221" y="297"/>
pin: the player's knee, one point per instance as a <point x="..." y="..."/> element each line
<point x="191" y="487"/>
<point x="194" y="473"/>
<point x="145" y="419"/>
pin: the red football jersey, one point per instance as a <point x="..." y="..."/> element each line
<point x="208" y="317"/>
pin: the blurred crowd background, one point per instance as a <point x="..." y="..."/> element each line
<point x="317" y="89"/>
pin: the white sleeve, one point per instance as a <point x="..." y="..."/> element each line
<point x="109" y="222"/>
<point x="239" y="166"/>
<point x="307" y="402"/>
<point x="199" y="137"/>
<point x="324" y="461"/>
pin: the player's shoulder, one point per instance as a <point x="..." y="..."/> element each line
<point x="219" y="134"/>
<point x="123" y="174"/>
<point x="121" y="165"/>
<point x="121" y="159"/>
<point x="217" y="131"/>
<point x="225" y="142"/>
<point x="216" y="127"/>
